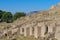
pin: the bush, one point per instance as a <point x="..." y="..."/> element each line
<point x="7" y="17"/>
<point x="18" y="15"/>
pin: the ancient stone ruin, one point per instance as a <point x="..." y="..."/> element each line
<point x="44" y="25"/>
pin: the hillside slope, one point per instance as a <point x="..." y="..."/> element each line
<point x="48" y="16"/>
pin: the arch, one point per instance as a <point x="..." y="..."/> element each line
<point x="5" y="34"/>
<point x="46" y="29"/>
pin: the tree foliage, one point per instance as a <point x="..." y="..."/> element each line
<point x="18" y="15"/>
<point x="1" y="13"/>
<point x="7" y="16"/>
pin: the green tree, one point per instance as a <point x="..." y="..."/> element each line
<point x="18" y="15"/>
<point x="7" y="17"/>
<point x="1" y="13"/>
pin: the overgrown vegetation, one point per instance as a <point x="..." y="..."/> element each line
<point x="8" y="17"/>
<point x="18" y="15"/>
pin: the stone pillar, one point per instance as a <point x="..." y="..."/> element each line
<point x="50" y="29"/>
<point x="57" y="33"/>
<point x="30" y="31"/>
<point x="39" y="31"/>
<point x="21" y="30"/>
<point x="35" y="32"/>
<point x="42" y="31"/>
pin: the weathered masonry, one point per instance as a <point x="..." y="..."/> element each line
<point x="40" y="29"/>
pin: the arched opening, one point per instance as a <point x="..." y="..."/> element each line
<point x="32" y="30"/>
<point x="46" y="29"/>
<point x="22" y="29"/>
<point x="5" y="34"/>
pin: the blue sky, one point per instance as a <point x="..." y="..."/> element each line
<point x="26" y="5"/>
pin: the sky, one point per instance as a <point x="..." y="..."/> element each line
<point x="26" y="5"/>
